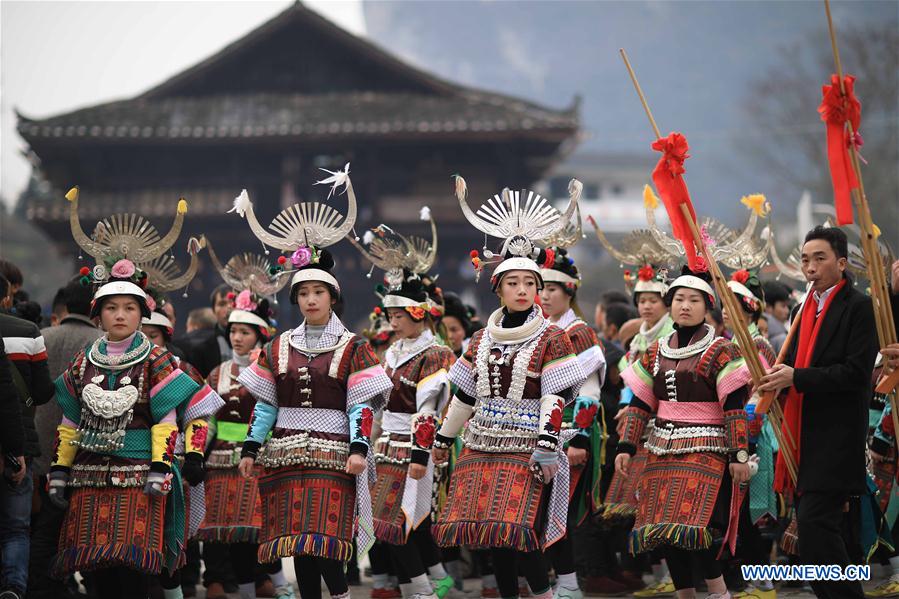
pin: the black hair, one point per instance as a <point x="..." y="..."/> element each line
<point x="4" y="287"/>
<point x="11" y="273"/>
<point x="77" y="297"/>
<point x="219" y="291"/>
<point x="837" y="239"/>
<point x="717" y="316"/>
<point x="775" y="291"/>
<point x="454" y="307"/>
<point x="619" y="313"/>
<point x="59" y="301"/>
<point x="613" y="296"/>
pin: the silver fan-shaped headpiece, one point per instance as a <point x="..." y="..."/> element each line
<point x="307" y="224"/>
<point x="248" y="271"/>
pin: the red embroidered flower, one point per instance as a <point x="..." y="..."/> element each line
<point x="555" y="421"/>
<point x="170" y="447"/>
<point x="198" y="441"/>
<point x="586" y="417"/>
<point x="424" y="433"/>
<point x="741" y="276"/>
<point x="646" y="273"/>
<point x="365" y="422"/>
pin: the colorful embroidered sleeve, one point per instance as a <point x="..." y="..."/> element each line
<point x="361" y="419"/>
<point x="551" y="408"/>
<point x="66" y="446"/>
<point x="766" y="352"/>
<point x="261" y="422"/>
<point x="169" y="385"/>
<point x="163" y="438"/>
<point x="462" y="373"/>
<point x="67" y="390"/>
<point x="259" y="377"/>
<point x="632" y="424"/>
<point x="196" y="435"/>
<point x="736" y="429"/>
<point x="727" y="368"/>
<point x="584" y="415"/>
<point x="638" y="379"/>
<point x="432" y="390"/>
<point x="560" y="372"/>
<point x="367" y="382"/>
<point x="205" y="402"/>
<point x="588" y="350"/>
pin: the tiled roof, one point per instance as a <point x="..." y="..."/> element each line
<point x="298" y="115"/>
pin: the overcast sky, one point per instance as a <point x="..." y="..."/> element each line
<point x="59" y="56"/>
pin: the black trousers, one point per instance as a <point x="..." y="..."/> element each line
<point x="822" y="527"/>
<point x="45" y="527"/>
<point x="507" y="563"/>
<point x="310" y="572"/>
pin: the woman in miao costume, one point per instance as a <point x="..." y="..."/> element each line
<point x="233" y="507"/>
<point x="316" y="388"/>
<point x="509" y="489"/>
<point x="115" y="446"/>
<point x="418" y="365"/>
<point x="585" y="450"/>
<point x="695" y="385"/>
<point x="761" y="501"/>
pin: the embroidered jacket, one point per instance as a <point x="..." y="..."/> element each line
<point x="117" y="422"/>
<point x="318" y="403"/>
<point x="697" y="395"/>
<point x="514" y="391"/>
<point x="420" y="374"/>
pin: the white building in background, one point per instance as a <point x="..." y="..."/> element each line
<point x="613" y="189"/>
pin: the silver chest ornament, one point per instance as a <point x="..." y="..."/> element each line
<point x="105" y="414"/>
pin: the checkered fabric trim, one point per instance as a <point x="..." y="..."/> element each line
<point x="263" y="389"/>
<point x="314" y="419"/>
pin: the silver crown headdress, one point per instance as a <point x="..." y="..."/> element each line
<point x="164" y="273"/>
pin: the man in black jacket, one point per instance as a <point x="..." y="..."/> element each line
<point x="828" y="377"/>
<point x="26" y="352"/>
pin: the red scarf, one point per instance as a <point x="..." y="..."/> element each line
<point x="809" y="326"/>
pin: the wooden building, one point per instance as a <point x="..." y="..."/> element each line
<point x="266" y="113"/>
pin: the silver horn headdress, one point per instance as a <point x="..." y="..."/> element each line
<point x="250" y="271"/>
<point x="522" y="219"/>
<point x="126" y="236"/>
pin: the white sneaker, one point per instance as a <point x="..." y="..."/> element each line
<point x="563" y="593"/>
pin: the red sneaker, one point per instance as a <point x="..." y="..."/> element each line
<point x="490" y="593"/>
<point x="386" y="594"/>
<point x="604" y="586"/>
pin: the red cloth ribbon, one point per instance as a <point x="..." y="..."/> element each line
<point x="809" y="326"/>
<point x="669" y="181"/>
<point x="835" y="109"/>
